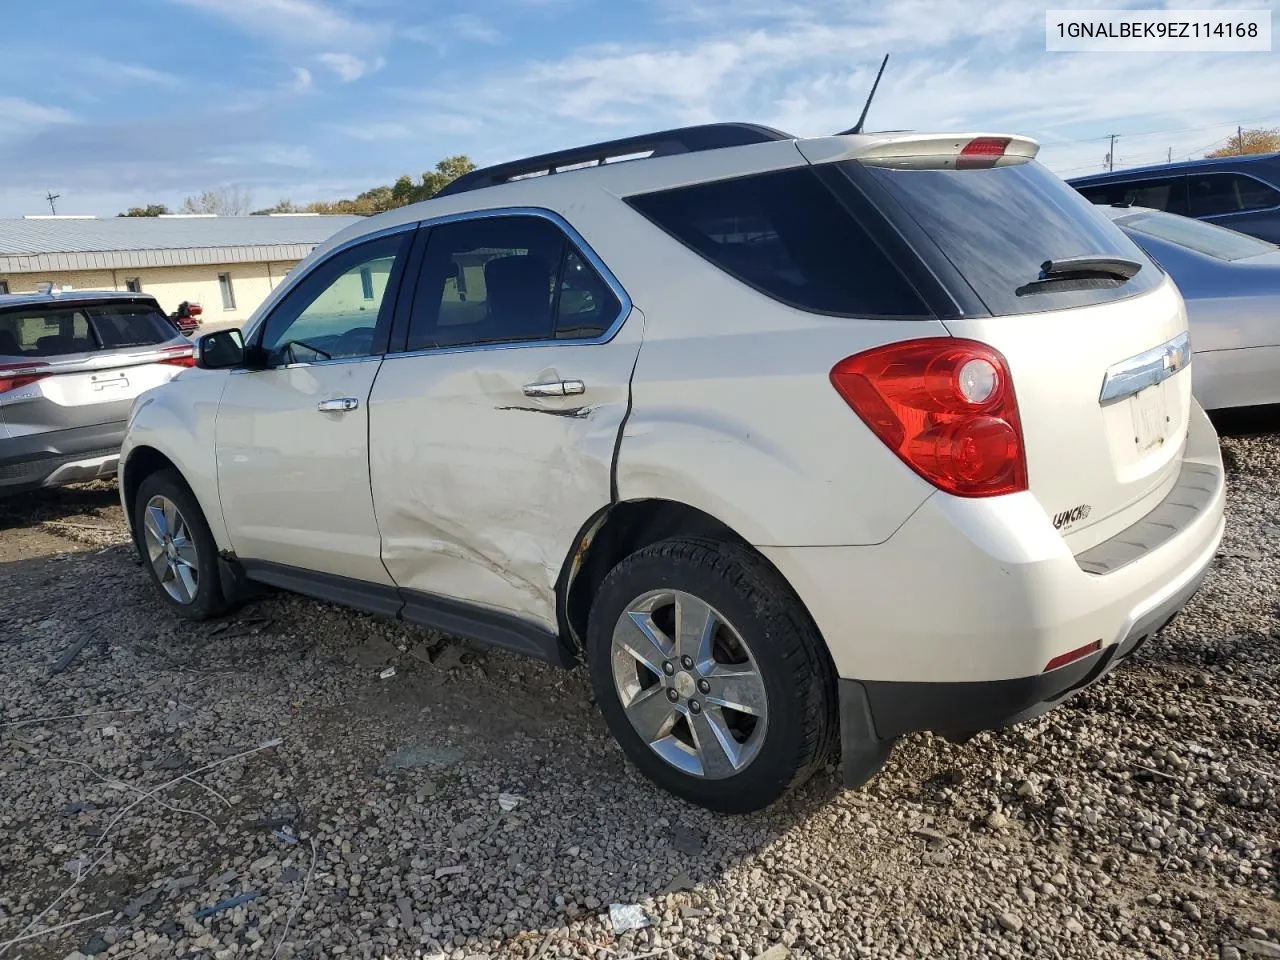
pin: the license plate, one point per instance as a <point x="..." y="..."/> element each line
<point x="1150" y="418"/>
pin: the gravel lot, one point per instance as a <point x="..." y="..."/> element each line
<point x="363" y="813"/>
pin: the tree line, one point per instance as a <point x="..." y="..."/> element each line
<point x="235" y="202"/>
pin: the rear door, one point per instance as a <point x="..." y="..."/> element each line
<point x="72" y="365"/>
<point x="1100" y="363"/>
<point x="492" y="436"/>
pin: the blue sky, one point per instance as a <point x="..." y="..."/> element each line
<point x="119" y="104"/>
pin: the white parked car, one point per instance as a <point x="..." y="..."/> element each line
<point x="794" y="442"/>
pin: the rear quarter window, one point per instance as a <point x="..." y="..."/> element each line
<point x="788" y="236"/>
<point x="998" y="225"/>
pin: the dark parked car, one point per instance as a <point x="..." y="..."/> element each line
<point x="1242" y="193"/>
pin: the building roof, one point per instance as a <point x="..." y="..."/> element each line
<point x="33" y="245"/>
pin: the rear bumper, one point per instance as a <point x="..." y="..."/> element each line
<point x="61" y="456"/>
<point x="898" y="707"/>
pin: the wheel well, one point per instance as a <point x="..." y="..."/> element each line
<point x="615" y="534"/>
<point x="142" y="462"/>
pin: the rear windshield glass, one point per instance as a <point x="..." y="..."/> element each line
<point x="1196" y="235"/>
<point x="51" y="331"/>
<point x="998" y="225"/>
<point x="785" y="234"/>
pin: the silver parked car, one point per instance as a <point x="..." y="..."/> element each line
<point x="70" y="368"/>
<point x="1231" y="284"/>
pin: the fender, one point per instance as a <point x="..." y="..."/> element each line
<point x="179" y="420"/>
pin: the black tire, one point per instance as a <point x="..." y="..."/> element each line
<point x="789" y="653"/>
<point x="209" y="600"/>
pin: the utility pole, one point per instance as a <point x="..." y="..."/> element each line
<point x="1170" y="160"/>
<point x="1111" y="154"/>
<point x="1239" y="140"/>
<point x="52" y="197"/>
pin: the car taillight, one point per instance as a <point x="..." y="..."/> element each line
<point x="946" y="407"/>
<point x="180" y="356"/>
<point x="13" y="376"/>
<point x="981" y="152"/>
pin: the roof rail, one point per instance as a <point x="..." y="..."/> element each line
<point x="710" y="136"/>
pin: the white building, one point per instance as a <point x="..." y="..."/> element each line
<point x="228" y="265"/>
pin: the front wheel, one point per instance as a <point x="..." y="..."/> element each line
<point x="177" y="547"/>
<point x="711" y="674"/>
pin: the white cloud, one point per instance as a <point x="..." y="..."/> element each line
<point x="372" y="132"/>
<point x="301" y="79"/>
<point x="23" y="116"/>
<point x="806" y="66"/>
<point x="303" y="23"/>
<point x="111" y="70"/>
<point x="468" y="27"/>
<point x="348" y="66"/>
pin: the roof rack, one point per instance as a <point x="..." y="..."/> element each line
<point x="710" y="136"/>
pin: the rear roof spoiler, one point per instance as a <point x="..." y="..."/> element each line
<point x="906" y="146"/>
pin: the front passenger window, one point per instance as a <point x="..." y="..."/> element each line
<point x="340" y="310"/>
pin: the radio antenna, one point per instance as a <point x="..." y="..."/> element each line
<point x="857" y="127"/>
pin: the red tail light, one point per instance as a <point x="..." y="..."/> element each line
<point x="946" y="407"/>
<point x="981" y="152"/>
<point x="180" y="356"/>
<point x="15" y="375"/>
<point x="195" y="309"/>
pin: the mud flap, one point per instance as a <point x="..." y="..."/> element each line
<point x="862" y="752"/>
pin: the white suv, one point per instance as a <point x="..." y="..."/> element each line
<point x="793" y="441"/>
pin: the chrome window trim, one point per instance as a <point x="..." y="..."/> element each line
<point x="1146" y="369"/>
<point x="550" y="215"/>
<point x="584" y="248"/>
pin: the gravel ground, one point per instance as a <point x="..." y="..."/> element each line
<point x="266" y="760"/>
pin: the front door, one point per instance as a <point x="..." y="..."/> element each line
<point x="492" y="439"/>
<point x="293" y="439"/>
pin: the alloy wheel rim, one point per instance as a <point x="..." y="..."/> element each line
<point x="689" y="684"/>
<point x="170" y="549"/>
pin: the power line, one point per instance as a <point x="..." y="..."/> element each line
<point x="1161" y="133"/>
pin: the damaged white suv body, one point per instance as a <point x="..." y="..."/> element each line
<point x="795" y="443"/>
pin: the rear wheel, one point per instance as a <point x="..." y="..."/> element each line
<point x="177" y="547"/>
<point x="710" y="674"/>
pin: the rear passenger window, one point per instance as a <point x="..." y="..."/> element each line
<point x="1213" y="194"/>
<point x="1167" y="193"/>
<point x="786" y="235"/>
<point x="507" y="280"/>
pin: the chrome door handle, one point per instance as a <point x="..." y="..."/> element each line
<point x="555" y="388"/>
<point x="339" y="405"/>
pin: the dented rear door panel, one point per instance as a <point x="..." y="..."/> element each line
<point x="480" y="490"/>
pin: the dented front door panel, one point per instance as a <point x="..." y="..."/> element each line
<point x="481" y="484"/>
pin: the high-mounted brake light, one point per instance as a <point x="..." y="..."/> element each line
<point x="946" y="407"/>
<point x="981" y="152"/>
<point x="15" y="375"/>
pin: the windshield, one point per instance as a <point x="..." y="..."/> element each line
<point x="998" y="225"/>
<point x="1206" y="238"/>
<point x="56" y="330"/>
